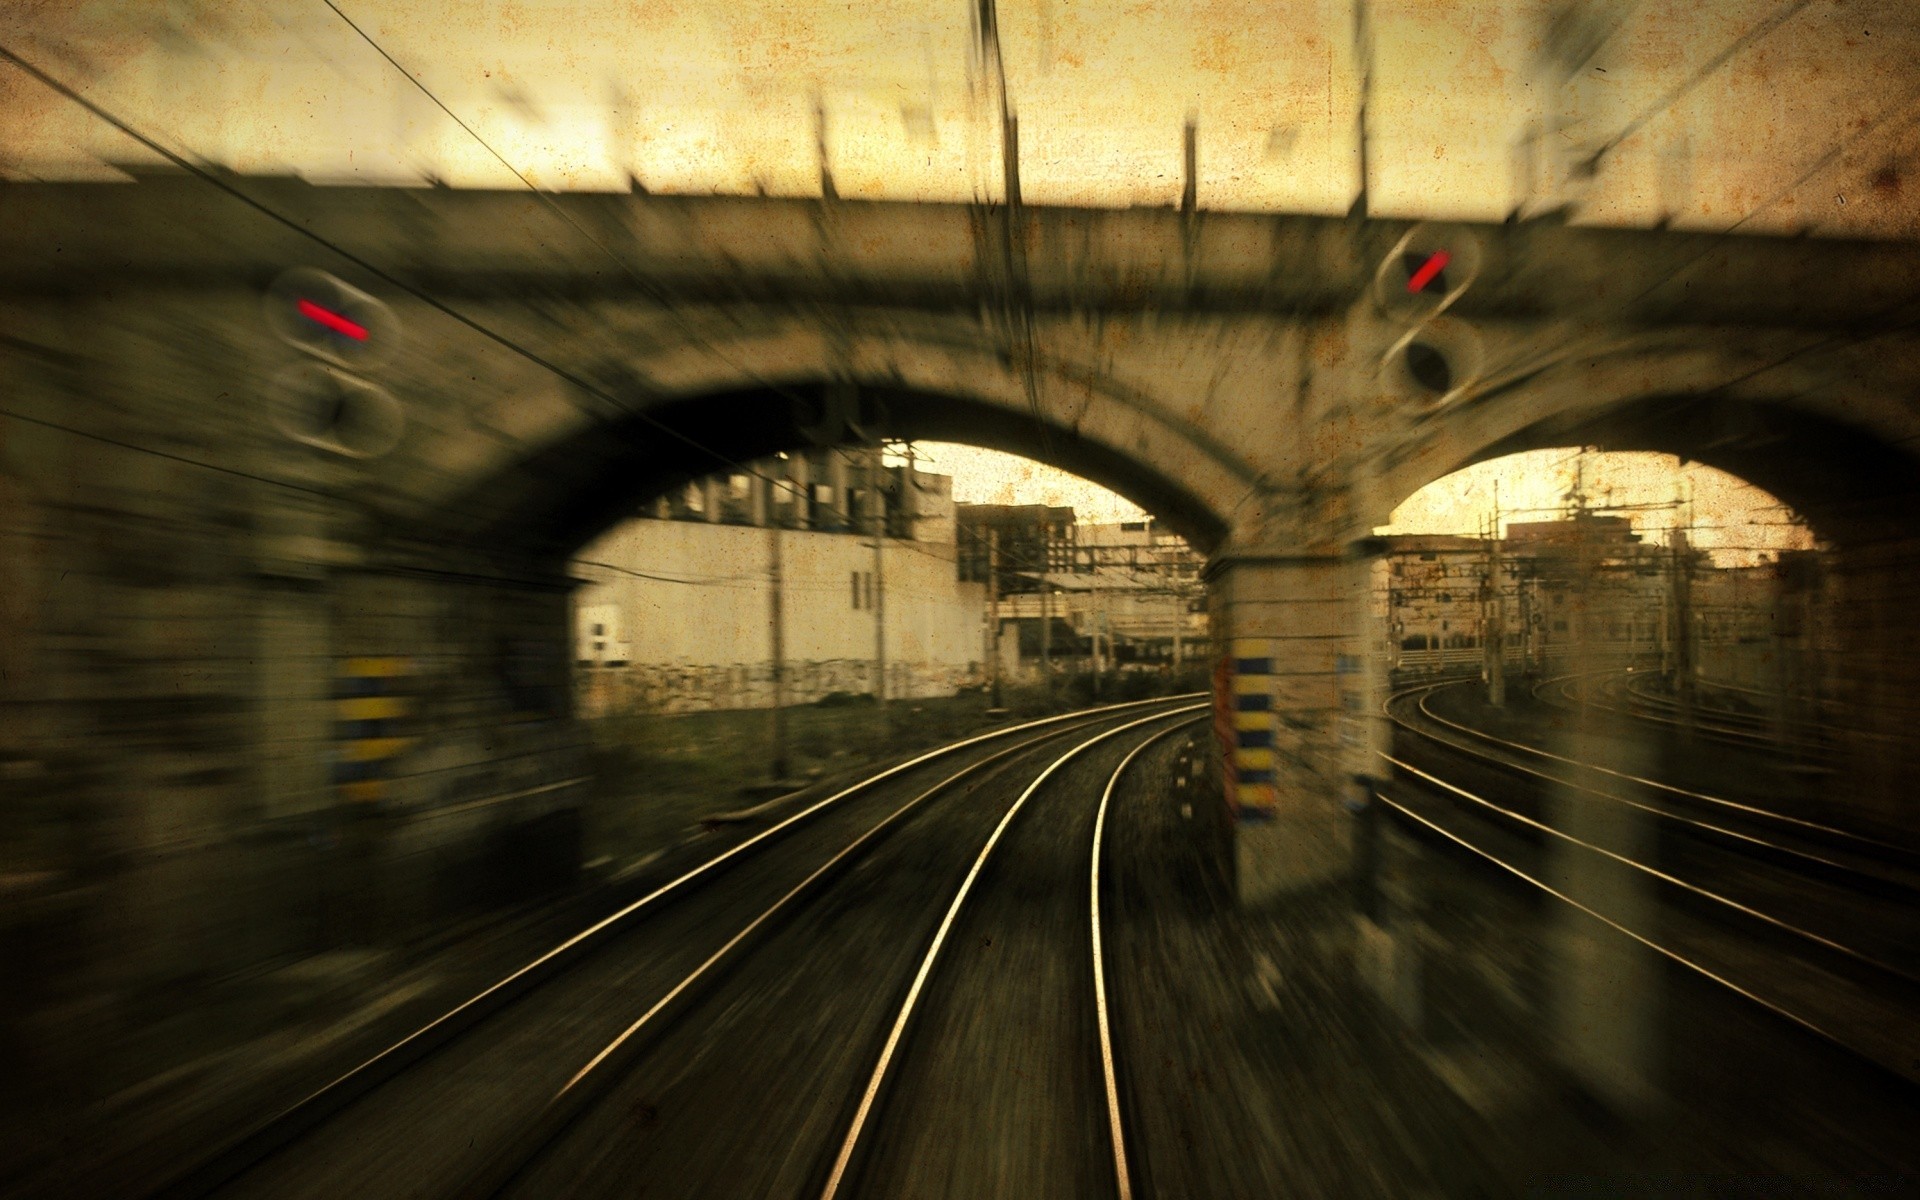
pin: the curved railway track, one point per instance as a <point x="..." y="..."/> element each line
<point x="1620" y="693"/>
<point x="949" y="1051"/>
<point x="1817" y="924"/>
<point x="477" y="1101"/>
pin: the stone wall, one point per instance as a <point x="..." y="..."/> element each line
<point x="672" y="688"/>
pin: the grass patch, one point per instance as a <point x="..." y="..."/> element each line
<point x="657" y="774"/>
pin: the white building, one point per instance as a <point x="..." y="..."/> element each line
<point x="1074" y="595"/>
<point x="677" y="608"/>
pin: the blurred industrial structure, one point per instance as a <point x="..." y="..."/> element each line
<point x="679" y="610"/>
<point x="1586" y="591"/>
<point x="1083" y="597"/>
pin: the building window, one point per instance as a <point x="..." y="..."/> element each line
<point x="598" y="630"/>
<point x="855" y="576"/>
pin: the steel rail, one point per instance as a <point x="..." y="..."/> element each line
<point x="843" y="1160"/>
<point x="1715" y="721"/>
<point x="1115" y="1126"/>
<point x="260" y="1141"/>
<point x="1779" y="1010"/>
<point x="1674" y="881"/>
<point x="1871" y="845"/>
<point x="602" y="1071"/>
<point x="1818" y="863"/>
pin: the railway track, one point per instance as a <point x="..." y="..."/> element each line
<point x="1819" y="925"/>
<point x="547" y="1074"/>
<point x="1623" y="693"/>
<point x="946" y="1003"/>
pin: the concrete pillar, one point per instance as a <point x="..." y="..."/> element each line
<point x="1391" y="920"/>
<point x="837" y="479"/>
<point x="802" y="490"/>
<point x="1293" y="701"/>
<point x="758" y="501"/>
<point x="1605" y="993"/>
<point x="1875" y="656"/>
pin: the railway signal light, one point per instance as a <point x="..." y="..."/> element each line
<point x="1434" y="361"/>
<point x="334" y="410"/>
<point x="1436" y="357"/>
<point x="330" y="319"/>
<point x="324" y="403"/>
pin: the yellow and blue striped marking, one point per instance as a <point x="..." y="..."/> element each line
<point x="370" y="702"/>
<point x="1254" y="726"/>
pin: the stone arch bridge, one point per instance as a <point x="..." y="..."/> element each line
<point x="183" y="581"/>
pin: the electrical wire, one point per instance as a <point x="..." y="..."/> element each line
<point x="1771" y="22"/>
<point x="440" y="306"/>
<point x="988" y="31"/>
<point x="206" y="176"/>
<point x="652" y="292"/>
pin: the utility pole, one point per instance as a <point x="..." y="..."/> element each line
<point x="1526" y="589"/>
<point x="1683" y="650"/>
<point x="777" y="624"/>
<point x="1583" y="589"/>
<point x="1179" y="618"/>
<point x="993" y="613"/>
<point x="1494" y="631"/>
<point x="1099" y="623"/>
<point x="1046" y="620"/>
<point x="877" y="504"/>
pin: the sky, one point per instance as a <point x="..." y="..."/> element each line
<point x="1739" y="523"/>
<point x="983" y="476"/>
<point x="1769" y="115"/>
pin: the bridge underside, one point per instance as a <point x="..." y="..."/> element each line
<point x="188" y="596"/>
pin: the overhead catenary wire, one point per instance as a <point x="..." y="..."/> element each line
<point x="185" y="164"/>
<point x="208" y="177"/>
<point x="1672" y="95"/>
<point x="987" y="33"/>
<point x="385" y="276"/>
<point x="553" y="207"/>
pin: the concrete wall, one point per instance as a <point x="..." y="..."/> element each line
<point x="182" y="577"/>
<point x="698" y="624"/>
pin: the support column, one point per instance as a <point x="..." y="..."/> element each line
<point x="1294" y="698"/>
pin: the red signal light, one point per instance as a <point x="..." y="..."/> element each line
<point x="339" y="324"/>
<point x="1432" y="267"/>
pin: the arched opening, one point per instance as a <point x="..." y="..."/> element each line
<point x="548" y="504"/>
<point x="1802" y="638"/>
<point x="709" y="580"/>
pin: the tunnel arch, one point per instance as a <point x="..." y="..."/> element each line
<point x="1851" y="486"/>
<point x="546" y="504"/>
<point x="1845" y="470"/>
<point x="552" y="461"/>
<point x="1831" y="435"/>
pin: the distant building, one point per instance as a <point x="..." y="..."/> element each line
<point x="1587" y="583"/>
<point x="676" y="603"/>
<point x="1432" y="591"/>
<point x="1073" y="596"/>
